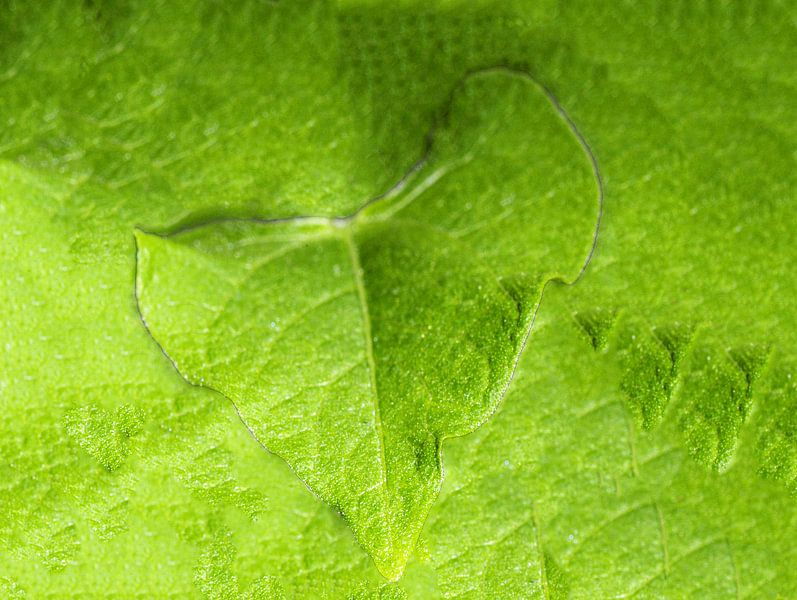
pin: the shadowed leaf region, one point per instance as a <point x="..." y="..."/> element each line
<point x="351" y="347"/>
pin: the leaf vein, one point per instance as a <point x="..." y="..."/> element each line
<point x="369" y="353"/>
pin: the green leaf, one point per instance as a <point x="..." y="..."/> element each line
<point x="352" y="347"/>
<point x="564" y="483"/>
<point x="673" y="479"/>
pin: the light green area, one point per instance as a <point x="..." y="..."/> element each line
<point x="647" y="444"/>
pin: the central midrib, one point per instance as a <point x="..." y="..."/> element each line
<point x="354" y="255"/>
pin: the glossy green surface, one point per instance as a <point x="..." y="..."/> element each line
<point x="647" y="445"/>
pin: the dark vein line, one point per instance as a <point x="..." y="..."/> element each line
<point x="590" y="535"/>
<point x="336" y="377"/>
<point x="222" y="310"/>
<point x="540" y="551"/>
<point x="296" y="318"/>
<point x="660" y="572"/>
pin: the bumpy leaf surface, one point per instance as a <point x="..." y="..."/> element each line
<point x="353" y="346"/>
<point x="647" y="445"/>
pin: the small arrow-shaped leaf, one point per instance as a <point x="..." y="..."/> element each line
<point x="351" y="347"/>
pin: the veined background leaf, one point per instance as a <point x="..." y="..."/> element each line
<point x="122" y="114"/>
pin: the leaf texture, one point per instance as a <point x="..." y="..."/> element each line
<point x="647" y="444"/>
<point x="352" y="347"/>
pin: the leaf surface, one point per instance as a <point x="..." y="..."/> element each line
<point x="646" y="446"/>
<point x="353" y="346"/>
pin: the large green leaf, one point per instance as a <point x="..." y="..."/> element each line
<point x="646" y="445"/>
<point x="353" y="346"/>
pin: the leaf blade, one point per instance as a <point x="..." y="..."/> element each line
<point x="439" y="326"/>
